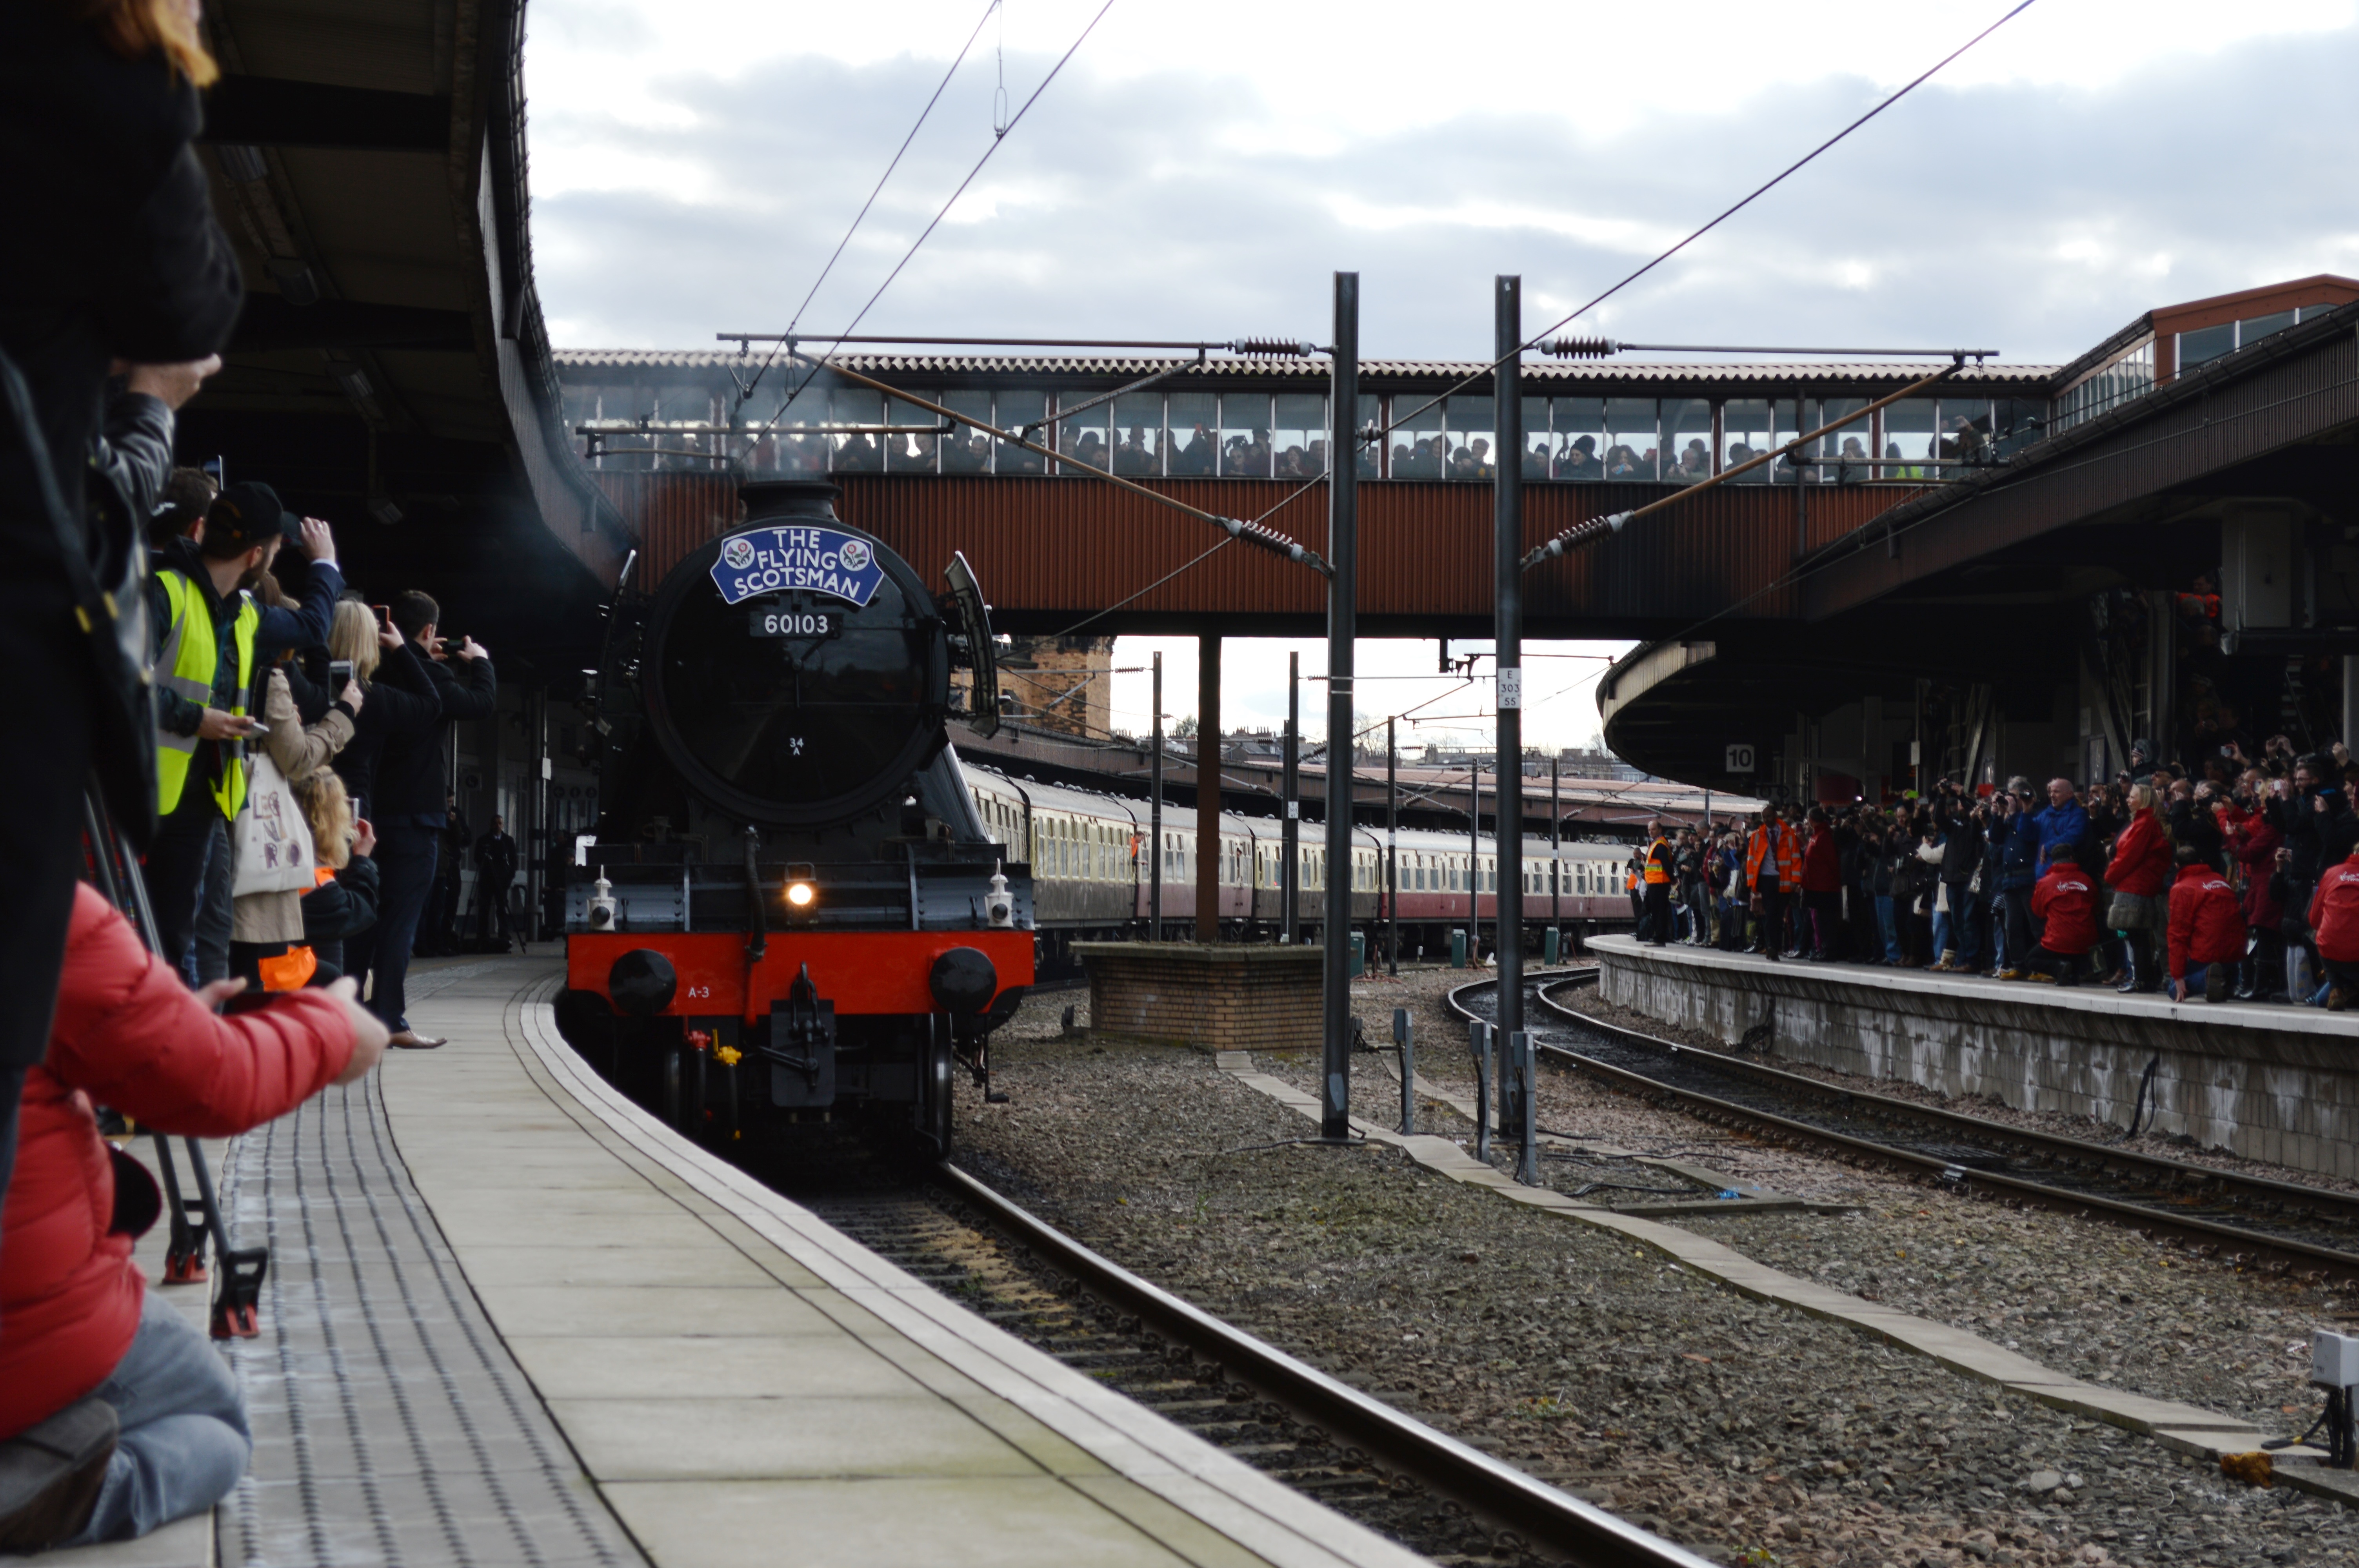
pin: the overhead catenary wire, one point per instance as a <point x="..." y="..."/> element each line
<point x="1252" y="533"/>
<point x="858" y="218"/>
<point x="1758" y="192"/>
<point x="999" y="138"/>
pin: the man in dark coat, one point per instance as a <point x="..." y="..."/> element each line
<point x="113" y="254"/>
<point x="409" y="809"/>
<point x="495" y="873"/>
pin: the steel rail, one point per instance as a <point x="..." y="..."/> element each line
<point x="1978" y="1129"/>
<point x="1497" y="1492"/>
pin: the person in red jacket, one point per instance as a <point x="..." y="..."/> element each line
<point x="2334" y="916"/>
<point x="75" y="1321"/>
<point x="2138" y="874"/>
<point x="2254" y="843"/>
<point x="1822" y="886"/>
<point x="2207" y="929"/>
<point x="2065" y="902"/>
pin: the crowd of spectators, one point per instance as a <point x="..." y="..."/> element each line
<point x="213" y="696"/>
<point x="2240" y="883"/>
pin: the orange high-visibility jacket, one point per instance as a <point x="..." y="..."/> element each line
<point x="1778" y="845"/>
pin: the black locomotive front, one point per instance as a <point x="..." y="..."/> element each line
<point x="791" y="906"/>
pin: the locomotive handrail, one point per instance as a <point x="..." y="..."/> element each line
<point x="1269" y="539"/>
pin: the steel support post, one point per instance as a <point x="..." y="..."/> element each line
<point x="1392" y="851"/>
<point x="1473" y="865"/>
<point x="1526" y="1121"/>
<point x="1556" y="846"/>
<point x="1479" y="1036"/>
<point x="1155" y="816"/>
<point x="1343" y="633"/>
<point x="1405" y="1036"/>
<point x="1208" y="787"/>
<point x="1289" y="882"/>
<point x="1507" y="577"/>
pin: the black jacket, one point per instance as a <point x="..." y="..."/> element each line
<point x="413" y="783"/>
<point x="136" y="449"/>
<point x="334" y="911"/>
<point x="400" y="711"/>
<point x="114" y="251"/>
<point x="495" y="857"/>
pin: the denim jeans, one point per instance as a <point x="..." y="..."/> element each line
<point x="184" y="1441"/>
<point x="1945" y="936"/>
<point x="405" y="869"/>
<point x="1891" y="928"/>
<point x="213" y="907"/>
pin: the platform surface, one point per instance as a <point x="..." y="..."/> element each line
<point x="512" y="1319"/>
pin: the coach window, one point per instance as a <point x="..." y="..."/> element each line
<point x="1743" y="436"/>
<point x="861" y="451"/>
<point x="1472" y="427"/>
<point x="1539" y="453"/>
<point x="1244" y="435"/>
<point x="1687" y="439"/>
<point x="1966" y="429"/>
<point x="1909" y="439"/>
<point x="1019" y="413"/>
<point x="1843" y="452"/>
<point x="1577" y="438"/>
<point x="1632" y="438"/>
<point x="1081" y="436"/>
<point x="913" y="454"/>
<point x="1417" y="444"/>
<point x="1299" y="434"/>
<point x="1194" y="423"/>
<point x="967" y="450"/>
<point x="1138" y="433"/>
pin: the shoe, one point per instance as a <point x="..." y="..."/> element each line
<point x="2040" y="978"/>
<point x="2215" y="985"/>
<point x="410" y="1040"/>
<point x="2335" y="1000"/>
<point x="2119" y="979"/>
<point x="2008" y="975"/>
<point x="50" y="1473"/>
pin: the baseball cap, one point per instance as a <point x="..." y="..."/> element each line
<point x="247" y="514"/>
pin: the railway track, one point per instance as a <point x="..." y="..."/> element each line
<point x="1315" y="1433"/>
<point x="2254" y="1220"/>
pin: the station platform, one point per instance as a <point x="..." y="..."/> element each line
<point x="511" y="1318"/>
<point x="2272" y="1082"/>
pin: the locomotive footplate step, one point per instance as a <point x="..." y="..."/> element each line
<point x="738" y="1378"/>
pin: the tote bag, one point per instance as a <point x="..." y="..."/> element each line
<point x="274" y="841"/>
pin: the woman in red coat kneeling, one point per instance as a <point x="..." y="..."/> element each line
<point x="74" y="1325"/>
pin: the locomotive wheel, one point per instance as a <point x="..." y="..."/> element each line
<point x="936" y="1077"/>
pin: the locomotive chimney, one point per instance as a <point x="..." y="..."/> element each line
<point x="781" y="500"/>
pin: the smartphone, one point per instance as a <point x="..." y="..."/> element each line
<point x="384" y="615"/>
<point x="339" y="672"/>
<point x="360" y="807"/>
<point x="259" y="729"/>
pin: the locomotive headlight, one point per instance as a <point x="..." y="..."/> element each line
<point x="800" y="894"/>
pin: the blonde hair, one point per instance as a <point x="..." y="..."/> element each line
<point x="2141" y="797"/>
<point x="352" y="634"/>
<point x="328" y="811"/>
<point x="137" y="29"/>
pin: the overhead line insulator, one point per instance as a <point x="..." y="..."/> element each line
<point x="1583" y="348"/>
<point x="1275" y="348"/>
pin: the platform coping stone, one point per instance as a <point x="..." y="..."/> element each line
<point x="2183" y="1428"/>
<point x="741" y="1380"/>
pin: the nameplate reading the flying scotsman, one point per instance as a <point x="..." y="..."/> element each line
<point x="809" y="561"/>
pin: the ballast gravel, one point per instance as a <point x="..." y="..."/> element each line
<point x="1748" y="1433"/>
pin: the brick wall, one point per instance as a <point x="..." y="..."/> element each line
<point x="1213" y="999"/>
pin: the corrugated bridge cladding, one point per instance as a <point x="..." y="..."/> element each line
<point x="1053" y="550"/>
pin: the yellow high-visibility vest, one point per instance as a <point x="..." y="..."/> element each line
<point x="186" y="666"/>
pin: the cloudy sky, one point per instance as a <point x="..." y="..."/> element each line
<point x="1200" y="171"/>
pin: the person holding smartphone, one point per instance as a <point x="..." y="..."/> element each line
<point x="402" y="711"/>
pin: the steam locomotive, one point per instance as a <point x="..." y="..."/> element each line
<point x="792" y="909"/>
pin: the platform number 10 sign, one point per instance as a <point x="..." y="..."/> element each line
<point x="1740" y="761"/>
